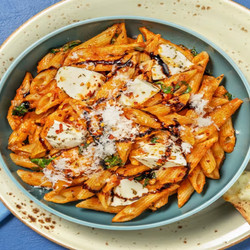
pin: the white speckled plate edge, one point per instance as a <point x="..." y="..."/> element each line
<point x="210" y="228"/>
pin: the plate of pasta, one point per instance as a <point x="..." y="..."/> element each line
<point x="124" y="123"/>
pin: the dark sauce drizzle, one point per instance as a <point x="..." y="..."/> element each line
<point x="160" y="62"/>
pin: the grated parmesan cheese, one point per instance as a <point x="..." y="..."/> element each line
<point x="186" y="147"/>
<point x="115" y="127"/>
<point x="204" y="122"/>
<point x="54" y="176"/>
<point x="198" y="103"/>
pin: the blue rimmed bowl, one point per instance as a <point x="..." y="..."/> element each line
<point x="220" y="63"/>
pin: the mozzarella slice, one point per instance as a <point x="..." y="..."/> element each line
<point x="78" y="83"/>
<point x="128" y="192"/>
<point x="138" y="91"/>
<point x="153" y="155"/>
<point x="62" y="135"/>
<point x="157" y="73"/>
<point x="174" y="59"/>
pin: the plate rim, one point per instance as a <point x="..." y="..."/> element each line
<point x="8" y="201"/>
<point x="119" y="226"/>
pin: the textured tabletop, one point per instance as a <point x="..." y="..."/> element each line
<point x="13" y="233"/>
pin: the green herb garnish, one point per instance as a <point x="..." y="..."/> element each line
<point x="66" y="46"/>
<point x="146" y="182"/>
<point x="114" y="38"/>
<point x="188" y="89"/>
<point x="42" y="162"/>
<point x="112" y="161"/>
<point x="82" y="147"/>
<point x="54" y="51"/>
<point x="177" y="86"/>
<point x="21" y="110"/>
<point x="229" y="96"/>
<point x="71" y="45"/>
<point x="146" y="177"/>
<point x="139" y="48"/>
<point x="194" y="51"/>
<point x="154" y="140"/>
<point x="208" y="72"/>
<point x="165" y="89"/>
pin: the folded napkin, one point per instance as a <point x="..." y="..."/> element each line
<point x="4" y="212"/>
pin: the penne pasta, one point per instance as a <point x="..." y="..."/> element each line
<point x="120" y="124"/>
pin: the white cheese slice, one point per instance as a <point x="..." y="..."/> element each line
<point x="157" y="73"/>
<point x="176" y="157"/>
<point x="174" y="59"/>
<point x="128" y="192"/>
<point x="153" y="155"/>
<point x="138" y="91"/>
<point x="78" y="83"/>
<point x="62" y="135"/>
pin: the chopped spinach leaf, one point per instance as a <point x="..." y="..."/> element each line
<point x="139" y="48"/>
<point x="177" y="86"/>
<point x="71" y="45"/>
<point x="229" y="96"/>
<point x="114" y="38"/>
<point x="208" y="72"/>
<point x="82" y="147"/>
<point x="112" y="161"/>
<point x="146" y="182"/>
<point x="165" y="89"/>
<point x="66" y="46"/>
<point x="194" y="51"/>
<point x="154" y="140"/>
<point x="21" y="110"/>
<point x="188" y="89"/>
<point x="42" y="162"/>
<point x="146" y="177"/>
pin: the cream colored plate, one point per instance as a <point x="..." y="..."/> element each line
<point x="218" y="226"/>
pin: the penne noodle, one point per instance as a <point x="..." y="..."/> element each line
<point x="197" y="179"/>
<point x="227" y="136"/>
<point x="184" y="192"/>
<point x="135" y="209"/>
<point x="120" y="124"/>
<point x="95" y="204"/>
<point x="208" y="163"/>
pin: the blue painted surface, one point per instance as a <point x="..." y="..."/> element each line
<point x="13" y="233"/>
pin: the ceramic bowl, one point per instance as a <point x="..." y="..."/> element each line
<point x="220" y="63"/>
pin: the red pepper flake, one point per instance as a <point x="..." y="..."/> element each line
<point x="111" y="137"/>
<point x="60" y="130"/>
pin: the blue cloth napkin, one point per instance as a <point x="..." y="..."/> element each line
<point x="14" y="235"/>
<point x="4" y="212"/>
